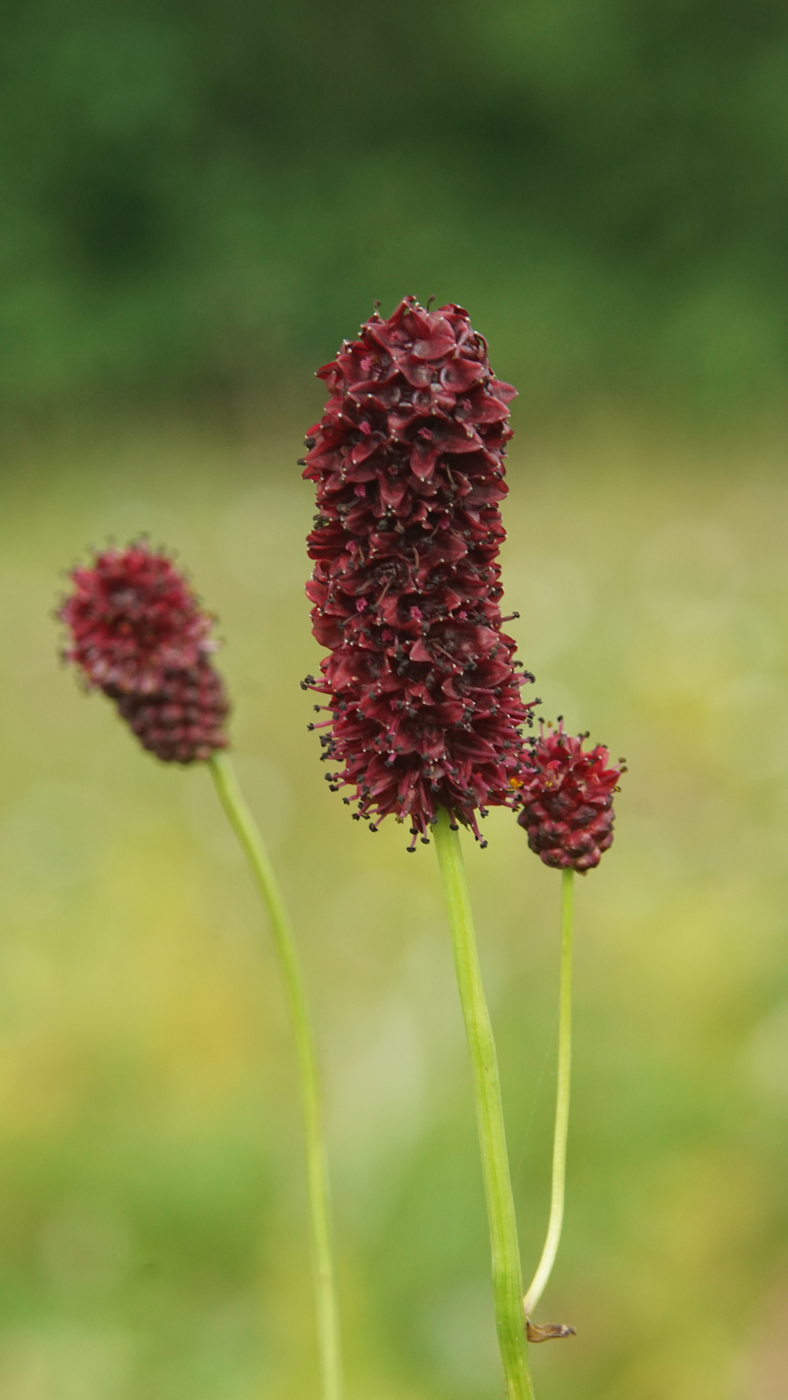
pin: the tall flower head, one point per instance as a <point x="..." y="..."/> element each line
<point x="138" y="632"/>
<point x="423" y="695"/>
<point x="567" y="799"/>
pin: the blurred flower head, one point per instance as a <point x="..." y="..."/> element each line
<point x="423" y="695"/>
<point x="132" y="616"/>
<point x="567" y="799"/>
<point x="137" y="632"/>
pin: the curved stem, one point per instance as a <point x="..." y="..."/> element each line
<point x="245" y="828"/>
<point x="562" y="1098"/>
<point x="506" y="1272"/>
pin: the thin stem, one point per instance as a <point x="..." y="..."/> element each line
<point x="562" y="1098"/>
<point x="245" y="828"/>
<point x="506" y="1272"/>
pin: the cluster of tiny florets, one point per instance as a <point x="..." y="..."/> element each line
<point x="423" y="695"/>
<point x="567" y="799"/>
<point x="137" y="632"/>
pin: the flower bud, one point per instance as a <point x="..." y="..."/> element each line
<point x="567" y="799"/>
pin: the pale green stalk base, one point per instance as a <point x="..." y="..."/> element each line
<point x="246" y="830"/>
<point x="562" y="1098"/>
<point x="506" y="1272"/>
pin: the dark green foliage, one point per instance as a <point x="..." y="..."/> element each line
<point x="199" y="195"/>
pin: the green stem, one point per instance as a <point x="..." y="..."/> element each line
<point x="245" y="828"/>
<point x="562" y="1098"/>
<point x="506" y="1272"/>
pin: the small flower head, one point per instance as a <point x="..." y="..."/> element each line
<point x="184" y="720"/>
<point x="567" y="799"/>
<point x="132" y="617"/>
<point x="137" y="632"/>
<point x="422" y="693"/>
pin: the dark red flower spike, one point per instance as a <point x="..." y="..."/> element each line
<point x="567" y="799"/>
<point x="423" y="696"/>
<point x="132" y="616"/>
<point x="138" y="633"/>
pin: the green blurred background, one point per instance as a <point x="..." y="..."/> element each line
<point x="197" y="204"/>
